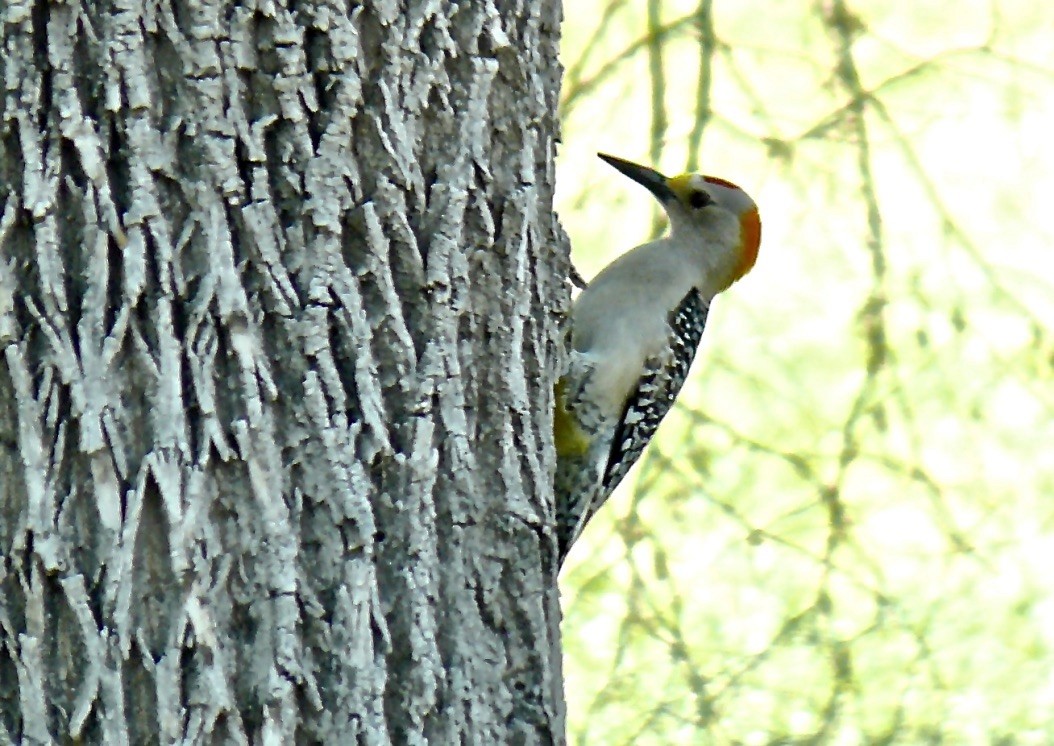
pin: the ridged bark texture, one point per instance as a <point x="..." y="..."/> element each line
<point x="280" y="297"/>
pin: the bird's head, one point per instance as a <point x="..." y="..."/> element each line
<point x="704" y="206"/>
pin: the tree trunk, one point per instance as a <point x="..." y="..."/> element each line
<point x="280" y="295"/>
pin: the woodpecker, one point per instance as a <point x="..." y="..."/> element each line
<point x="634" y="332"/>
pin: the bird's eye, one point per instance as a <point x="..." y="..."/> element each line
<point x="698" y="199"/>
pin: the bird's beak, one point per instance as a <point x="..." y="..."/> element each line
<point x="648" y="178"/>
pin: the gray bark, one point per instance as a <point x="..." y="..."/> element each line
<point x="280" y="296"/>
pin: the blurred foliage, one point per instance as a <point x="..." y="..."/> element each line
<point x="844" y="534"/>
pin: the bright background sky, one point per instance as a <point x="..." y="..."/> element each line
<point x="846" y="530"/>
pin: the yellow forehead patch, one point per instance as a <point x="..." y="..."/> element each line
<point x="684" y="185"/>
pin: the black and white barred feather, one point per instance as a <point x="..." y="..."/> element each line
<point x="652" y="398"/>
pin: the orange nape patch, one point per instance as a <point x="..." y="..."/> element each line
<point x="568" y="437"/>
<point x="750" y="241"/>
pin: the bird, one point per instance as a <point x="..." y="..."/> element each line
<point x="634" y="331"/>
